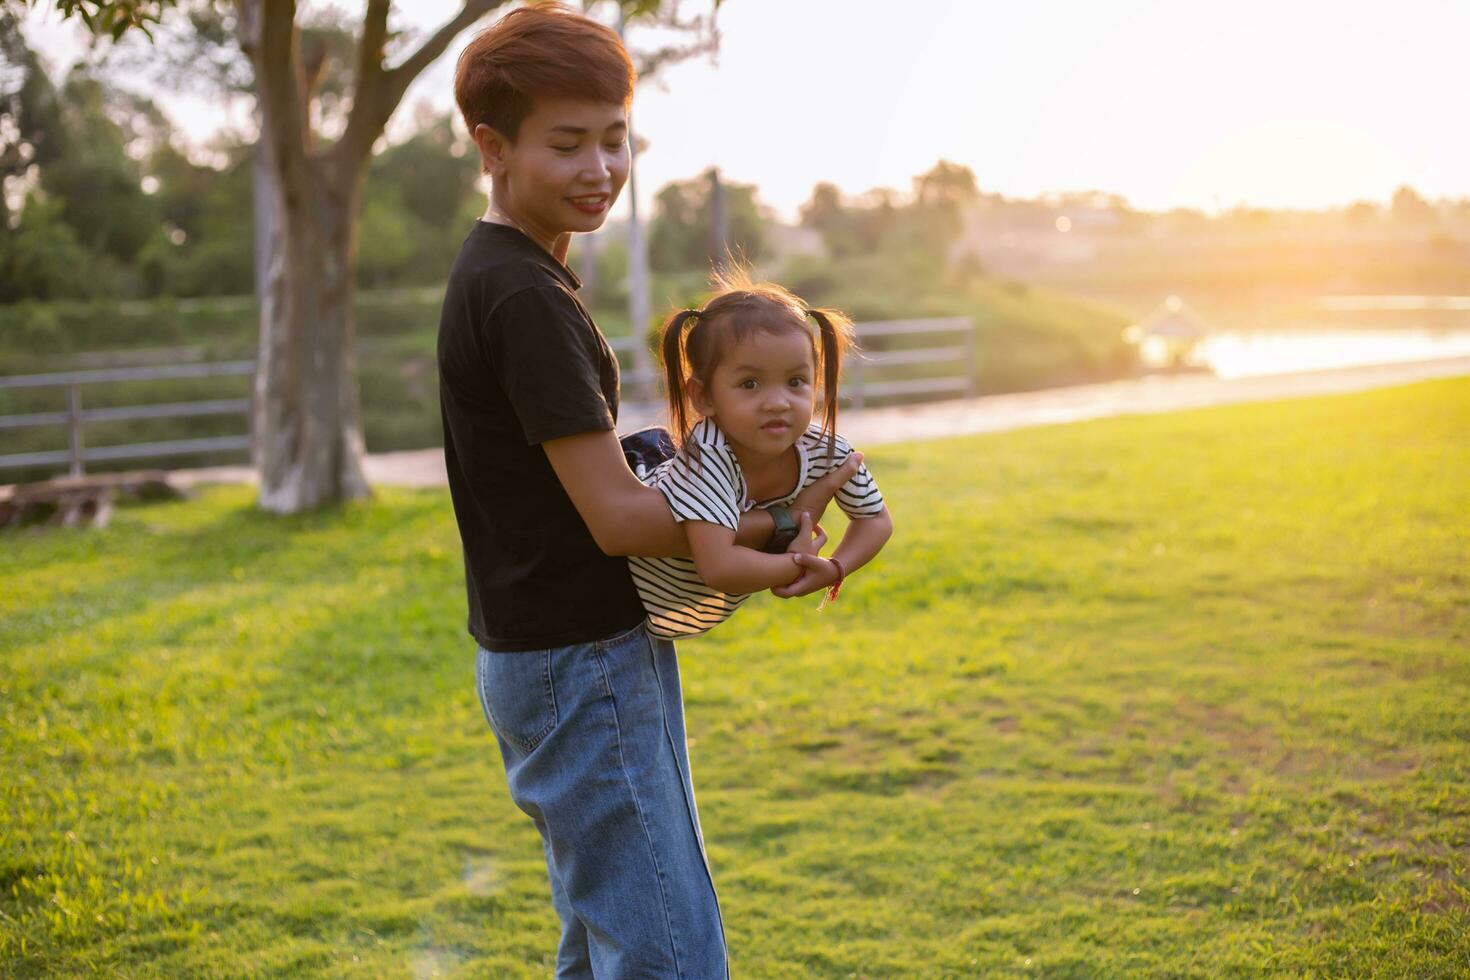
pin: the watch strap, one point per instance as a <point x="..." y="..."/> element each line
<point x="784" y="533"/>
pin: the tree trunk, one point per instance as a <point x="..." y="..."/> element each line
<point x="639" y="307"/>
<point x="308" y="421"/>
<point x="262" y="196"/>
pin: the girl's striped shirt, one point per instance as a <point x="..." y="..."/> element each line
<point x="713" y="489"/>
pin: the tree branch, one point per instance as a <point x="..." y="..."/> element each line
<point x="374" y="38"/>
<point x="268" y="36"/>
<point x="664" y="15"/>
<point x="313" y="65"/>
<point x="431" y="49"/>
<point x="357" y="139"/>
<point x="652" y="62"/>
<point x="372" y="106"/>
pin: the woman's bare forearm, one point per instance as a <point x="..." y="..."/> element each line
<point x="649" y="528"/>
<point x="644" y="526"/>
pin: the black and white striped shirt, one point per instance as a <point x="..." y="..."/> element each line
<point x="714" y="490"/>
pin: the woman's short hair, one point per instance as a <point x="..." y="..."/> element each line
<point x="541" y="51"/>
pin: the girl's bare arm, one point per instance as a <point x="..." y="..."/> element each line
<point x="627" y="517"/>
<point x="863" y="539"/>
<point x="726" y="566"/>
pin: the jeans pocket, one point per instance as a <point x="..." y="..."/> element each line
<point x="517" y="694"/>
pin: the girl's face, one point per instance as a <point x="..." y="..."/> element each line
<point x="564" y="170"/>
<point x="762" y="392"/>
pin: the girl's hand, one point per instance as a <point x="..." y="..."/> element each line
<point x="810" y="539"/>
<point x="816" y="574"/>
<point x="815" y="498"/>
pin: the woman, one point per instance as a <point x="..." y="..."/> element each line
<point x="585" y="704"/>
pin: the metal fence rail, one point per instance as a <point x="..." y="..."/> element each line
<point x="948" y="341"/>
<point x="75" y="417"/>
<point x="862" y="386"/>
<point x="865" y="374"/>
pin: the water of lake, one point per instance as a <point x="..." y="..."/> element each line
<point x="1248" y="354"/>
<point x="1373" y="332"/>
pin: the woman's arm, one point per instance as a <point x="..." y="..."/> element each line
<point x="726" y="566"/>
<point x="627" y="517"/>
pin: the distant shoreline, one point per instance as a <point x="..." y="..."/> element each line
<point x="1147" y="395"/>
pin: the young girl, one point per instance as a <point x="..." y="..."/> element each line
<point x="752" y="364"/>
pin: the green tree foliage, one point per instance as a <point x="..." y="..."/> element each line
<point x="1361" y="214"/>
<point x="212" y="237"/>
<point x="99" y="185"/>
<point x="827" y="214"/>
<point x="417" y="204"/>
<point x="941" y="196"/>
<point x="879" y="221"/>
<point x="867" y="224"/>
<point x="39" y="252"/>
<point x="683" y="235"/>
<point x="89" y="150"/>
<point x="387" y="232"/>
<point x="115" y="18"/>
<point x="1411" y="209"/>
<point x="30" y="116"/>
<point x="433" y="169"/>
<point x="40" y="258"/>
<point x="74" y="194"/>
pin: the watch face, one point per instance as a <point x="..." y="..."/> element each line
<point x="780" y="541"/>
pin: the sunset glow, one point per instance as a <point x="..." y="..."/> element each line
<point x="1303" y="104"/>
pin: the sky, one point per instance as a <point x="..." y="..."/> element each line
<point x="1271" y="103"/>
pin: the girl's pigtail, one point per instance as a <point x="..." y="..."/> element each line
<point x="672" y="345"/>
<point x="836" y="339"/>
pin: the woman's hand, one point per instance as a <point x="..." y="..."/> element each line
<point x="815" y="498"/>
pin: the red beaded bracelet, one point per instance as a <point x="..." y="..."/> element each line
<point x="836" y="587"/>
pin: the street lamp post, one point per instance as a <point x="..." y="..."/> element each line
<point x="639" y="311"/>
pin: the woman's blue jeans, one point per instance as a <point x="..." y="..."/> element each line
<point x="593" y="741"/>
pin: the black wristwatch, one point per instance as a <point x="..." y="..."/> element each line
<point x="785" y="531"/>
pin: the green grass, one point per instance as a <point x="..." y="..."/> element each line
<point x="1182" y="695"/>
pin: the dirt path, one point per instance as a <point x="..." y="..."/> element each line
<point x="989" y="413"/>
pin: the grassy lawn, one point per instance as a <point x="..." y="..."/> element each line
<point x="1181" y="695"/>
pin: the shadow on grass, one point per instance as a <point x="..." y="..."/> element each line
<point x="242" y="544"/>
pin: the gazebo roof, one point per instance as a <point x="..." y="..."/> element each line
<point x="1173" y="319"/>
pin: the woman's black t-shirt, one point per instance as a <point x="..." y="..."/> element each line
<point x="521" y="362"/>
